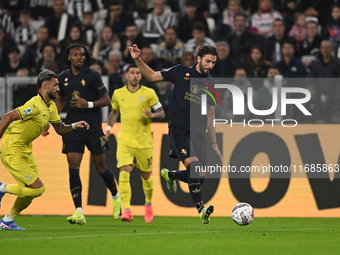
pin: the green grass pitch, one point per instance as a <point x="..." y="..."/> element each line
<point x="172" y="235"/>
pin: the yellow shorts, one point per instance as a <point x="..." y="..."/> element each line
<point x="126" y="154"/>
<point x="23" y="167"/>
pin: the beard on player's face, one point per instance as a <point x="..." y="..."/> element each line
<point x="51" y="95"/>
<point x="203" y="69"/>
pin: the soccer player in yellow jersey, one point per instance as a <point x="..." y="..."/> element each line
<point x="19" y="128"/>
<point x="134" y="102"/>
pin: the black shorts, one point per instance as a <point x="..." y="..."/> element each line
<point x="94" y="141"/>
<point x="185" y="144"/>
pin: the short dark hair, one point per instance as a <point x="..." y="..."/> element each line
<point x="205" y="50"/>
<point x="88" y="55"/>
<point x="171" y="28"/>
<point x="190" y="3"/>
<point x="116" y="2"/>
<point x="198" y="26"/>
<point x="240" y="13"/>
<point x="45" y="75"/>
<point x="288" y="42"/>
<point x="25" y="12"/>
<point x="130" y="24"/>
<point x="131" y="66"/>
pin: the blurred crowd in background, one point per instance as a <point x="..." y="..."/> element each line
<point x="256" y="40"/>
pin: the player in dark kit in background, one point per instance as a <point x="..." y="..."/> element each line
<point x="187" y="142"/>
<point x="83" y="93"/>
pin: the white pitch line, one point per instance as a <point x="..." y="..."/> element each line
<point x="159" y="233"/>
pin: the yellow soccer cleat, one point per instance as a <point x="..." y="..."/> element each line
<point x="117" y="208"/>
<point x="205" y="214"/>
<point x="77" y="218"/>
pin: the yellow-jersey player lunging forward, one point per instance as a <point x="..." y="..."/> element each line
<point x="135" y="140"/>
<point x="18" y="129"/>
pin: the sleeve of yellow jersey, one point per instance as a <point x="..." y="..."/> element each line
<point x="54" y="114"/>
<point x="154" y="101"/>
<point x="27" y="111"/>
<point x="114" y="101"/>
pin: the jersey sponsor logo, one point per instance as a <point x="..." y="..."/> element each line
<point x="75" y="94"/>
<point x="28" y="111"/>
<point x="184" y="152"/>
<point x="83" y="82"/>
<point x="73" y="102"/>
<point x="141" y="98"/>
<point x="195" y="89"/>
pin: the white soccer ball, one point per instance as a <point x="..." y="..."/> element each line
<point x="243" y="214"/>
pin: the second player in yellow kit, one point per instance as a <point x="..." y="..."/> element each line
<point x="135" y="102"/>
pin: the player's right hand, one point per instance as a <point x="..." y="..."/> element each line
<point x="134" y="51"/>
<point x="45" y="132"/>
<point x="82" y="124"/>
<point x="107" y="135"/>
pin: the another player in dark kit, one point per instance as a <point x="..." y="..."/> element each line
<point x="83" y="93"/>
<point x="187" y="141"/>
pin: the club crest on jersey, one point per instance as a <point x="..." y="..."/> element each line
<point x="83" y="82"/>
<point x="186" y="76"/>
<point x="28" y="177"/>
<point x="28" y="111"/>
<point x="141" y="98"/>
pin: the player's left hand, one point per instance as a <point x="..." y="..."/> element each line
<point x="45" y="132"/>
<point x="217" y="150"/>
<point x="148" y="114"/>
<point x="82" y="124"/>
<point x="81" y="102"/>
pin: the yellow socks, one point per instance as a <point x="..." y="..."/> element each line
<point x="125" y="189"/>
<point x="148" y="189"/>
<point x="19" y="205"/>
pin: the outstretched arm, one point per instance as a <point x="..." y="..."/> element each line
<point x="148" y="73"/>
<point x="7" y="119"/>
<point x="211" y="130"/>
<point x="63" y="129"/>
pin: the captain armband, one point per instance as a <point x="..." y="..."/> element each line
<point x="157" y="106"/>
